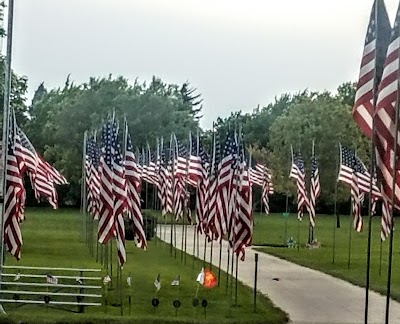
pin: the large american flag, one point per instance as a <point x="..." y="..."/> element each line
<point x="14" y="194"/>
<point x="213" y="226"/>
<point x="179" y="177"/>
<point x="92" y="177"/>
<point x="195" y="167"/>
<point x="348" y="173"/>
<point x="43" y="176"/>
<point x="202" y="194"/>
<point x="225" y="182"/>
<point x="106" y="216"/>
<point x="385" y="121"/>
<point x="297" y="172"/>
<point x="120" y="197"/>
<point x="132" y="175"/>
<point x="243" y="220"/>
<point x="376" y="43"/>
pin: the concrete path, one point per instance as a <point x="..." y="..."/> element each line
<point x="332" y="300"/>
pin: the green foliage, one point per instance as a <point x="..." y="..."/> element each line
<point x="59" y="118"/>
<point x="320" y="118"/>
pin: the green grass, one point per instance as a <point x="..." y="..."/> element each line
<point x="271" y="230"/>
<point x="54" y="239"/>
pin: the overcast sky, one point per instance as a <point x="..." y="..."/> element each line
<point x="237" y="53"/>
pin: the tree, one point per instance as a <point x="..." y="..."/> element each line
<point x="326" y="120"/>
<point x="152" y="111"/>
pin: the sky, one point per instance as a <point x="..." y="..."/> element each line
<point x="237" y="53"/>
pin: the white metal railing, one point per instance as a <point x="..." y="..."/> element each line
<point x="35" y="292"/>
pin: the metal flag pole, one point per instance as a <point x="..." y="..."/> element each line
<point x="6" y="116"/>
<point x="311" y="230"/>
<point x="394" y="176"/>
<point x="335" y="215"/>
<point x="372" y="172"/>
<point x="85" y="229"/>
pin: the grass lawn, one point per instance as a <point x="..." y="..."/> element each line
<point x="53" y="239"/>
<point x="271" y="230"/>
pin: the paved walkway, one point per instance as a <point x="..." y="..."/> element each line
<point x="308" y="296"/>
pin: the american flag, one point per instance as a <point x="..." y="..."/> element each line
<point x="261" y="176"/>
<point x="202" y="194"/>
<point x="195" y="169"/>
<point x="243" y="222"/>
<point x="348" y="173"/>
<point x="93" y="177"/>
<point x="179" y="176"/>
<point x="297" y="172"/>
<point x="166" y="181"/>
<point x="213" y="224"/>
<point x="13" y="195"/>
<point x="120" y="196"/>
<point x="376" y="43"/>
<point x="225" y="185"/>
<point x="132" y="174"/>
<point x="106" y="217"/>
<point x="385" y="121"/>
<point x="315" y="189"/>
<point x="43" y="176"/>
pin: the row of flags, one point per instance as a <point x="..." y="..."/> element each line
<point x="377" y="104"/>
<point x="297" y="172"/>
<point x="113" y="186"/>
<point x="222" y="181"/>
<point x="23" y="161"/>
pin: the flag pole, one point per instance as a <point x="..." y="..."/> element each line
<point x="311" y="227"/>
<point x="6" y="130"/>
<point x="173" y="191"/>
<point x="372" y="172"/>
<point x="335" y="216"/>
<point x="394" y="176"/>
<point x="83" y="192"/>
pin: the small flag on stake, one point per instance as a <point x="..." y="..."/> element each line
<point x="207" y="278"/>
<point x="106" y="280"/>
<point x="200" y="277"/>
<point x="176" y="281"/>
<point x="17" y="276"/>
<point x="51" y="279"/>
<point x="129" y="281"/>
<point x="79" y="280"/>
<point x="157" y="283"/>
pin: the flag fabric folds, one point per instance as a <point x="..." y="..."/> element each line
<point x="21" y="159"/>
<point x="387" y="150"/>
<point x="373" y="59"/>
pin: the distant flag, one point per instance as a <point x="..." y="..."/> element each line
<point x="348" y="175"/>
<point x="315" y="189"/>
<point x="129" y="281"/>
<point x="297" y="172"/>
<point x="79" y="280"/>
<point x="51" y="279"/>
<point x="157" y="283"/>
<point x="375" y="48"/>
<point x="176" y="281"/>
<point x="17" y="276"/>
